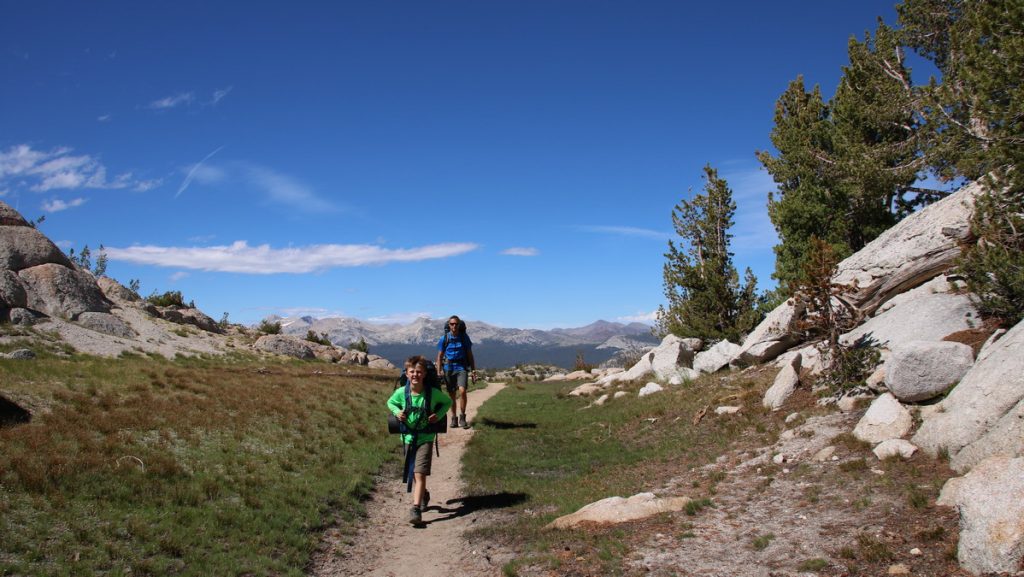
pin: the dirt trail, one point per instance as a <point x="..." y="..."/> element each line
<point x="381" y="547"/>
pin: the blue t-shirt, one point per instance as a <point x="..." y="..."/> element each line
<point x="456" y="354"/>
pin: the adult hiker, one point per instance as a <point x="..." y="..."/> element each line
<point x="455" y="356"/>
<point x="418" y="406"/>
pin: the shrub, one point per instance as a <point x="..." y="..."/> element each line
<point x="320" y="339"/>
<point x="268" y="327"/>
<point x="360" y="345"/>
<point x="167" y="299"/>
<point x="994" y="266"/>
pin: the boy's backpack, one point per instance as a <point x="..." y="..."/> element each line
<point x="431" y="386"/>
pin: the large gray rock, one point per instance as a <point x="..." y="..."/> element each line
<point x="106" y="323"/>
<point x="716" y="358"/>
<point x="115" y="291"/>
<point x="376" y="362"/>
<point x="24" y="247"/>
<point x="59" y="291"/>
<point x="23" y="317"/>
<point x="286" y="345"/>
<point x="11" y="217"/>
<point x="784" y="385"/>
<point x="671" y="355"/>
<point x="990" y="390"/>
<point x="885" y="419"/>
<point x="190" y="316"/>
<point x="772" y="337"/>
<point x="927" y="316"/>
<point x="990" y="500"/>
<point x="12" y="291"/>
<point x="1005" y="438"/>
<point x="921" y="370"/>
<point x="619" y="510"/>
<point x="913" y="251"/>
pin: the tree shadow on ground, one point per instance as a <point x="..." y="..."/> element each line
<point x="506" y="425"/>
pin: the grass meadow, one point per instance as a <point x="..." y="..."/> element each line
<point x="199" y="466"/>
<point x="549" y="454"/>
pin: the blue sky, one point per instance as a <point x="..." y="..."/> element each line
<point x="512" y="162"/>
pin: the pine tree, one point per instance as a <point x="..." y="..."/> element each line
<point x="701" y="285"/>
<point x="974" y="129"/>
<point x="807" y="202"/>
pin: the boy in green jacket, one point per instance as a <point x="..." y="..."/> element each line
<point x="417" y="420"/>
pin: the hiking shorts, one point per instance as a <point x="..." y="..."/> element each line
<point x="424" y="457"/>
<point x="456" y="380"/>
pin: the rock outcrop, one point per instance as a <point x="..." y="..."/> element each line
<point x="973" y="412"/>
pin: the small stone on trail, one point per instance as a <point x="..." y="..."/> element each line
<point x="898" y="569"/>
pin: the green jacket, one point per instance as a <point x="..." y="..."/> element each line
<point x="417" y="418"/>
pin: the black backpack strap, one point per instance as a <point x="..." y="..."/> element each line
<point x="410" y="449"/>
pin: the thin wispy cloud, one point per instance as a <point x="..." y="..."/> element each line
<point x="399" y="318"/>
<point x="219" y="95"/>
<point x="103" y="118"/>
<point x="627" y="231"/>
<point x="520" y="251"/>
<point x="183" y="99"/>
<point x="58" y="169"/>
<point x="273" y="186"/>
<point x="647" y="318"/>
<point x="284" y="189"/>
<point x="178" y="276"/>
<point x="239" y="257"/>
<point x="58" y="205"/>
<point x="752" y="229"/>
<point x="192" y="172"/>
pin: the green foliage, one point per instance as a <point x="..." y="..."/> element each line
<point x="167" y="299"/>
<point x="359" y="345"/>
<point x="581" y="363"/>
<point x="269" y="327"/>
<point x="844" y="168"/>
<point x="321" y="339"/>
<point x="994" y="266"/>
<point x="134" y="285"/>
<point x="973" y="119"/>
<point x="705" y="298"/>
<point x="826" y="315"/>
<point x="224" y="322"/>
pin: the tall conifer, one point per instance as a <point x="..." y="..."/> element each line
<point x="701" y="285"/>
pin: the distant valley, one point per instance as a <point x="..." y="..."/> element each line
<point x="495" y="347"/>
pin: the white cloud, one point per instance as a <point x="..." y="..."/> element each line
<point x="57" y="205"/>
<point x="275" y="186"/>
<point x="640" y="317"/>
<point x="398" y="318"/>
<point x="239" y="257"/>
<point x="521" y="251"/>
<point x="219" y="95"/>
<point x="59" y="169"/>
<point x="185" y="98"/>
<point x="197" y="169"/>
<point x="178" y="276"/>
<point x="284" y="189"/>
<point x="103" y="118"/>
<point x="627" y="231"/>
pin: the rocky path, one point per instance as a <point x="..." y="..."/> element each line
<point x="384" y="546"/>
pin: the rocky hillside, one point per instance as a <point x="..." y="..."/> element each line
<point x="45" y="296"/>
<point x="948" y="389"/>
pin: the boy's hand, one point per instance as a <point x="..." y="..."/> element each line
<point x="432" y="418"/>
<point x="402" y="417"/>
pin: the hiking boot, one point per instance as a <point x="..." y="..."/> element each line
<point x="462" y="421"/>
<point x="415" y="516"/>
<point x="426" y="500"/>
<point x="455" y="422"/>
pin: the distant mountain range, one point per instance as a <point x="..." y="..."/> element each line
<point x="493" y="347"/>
